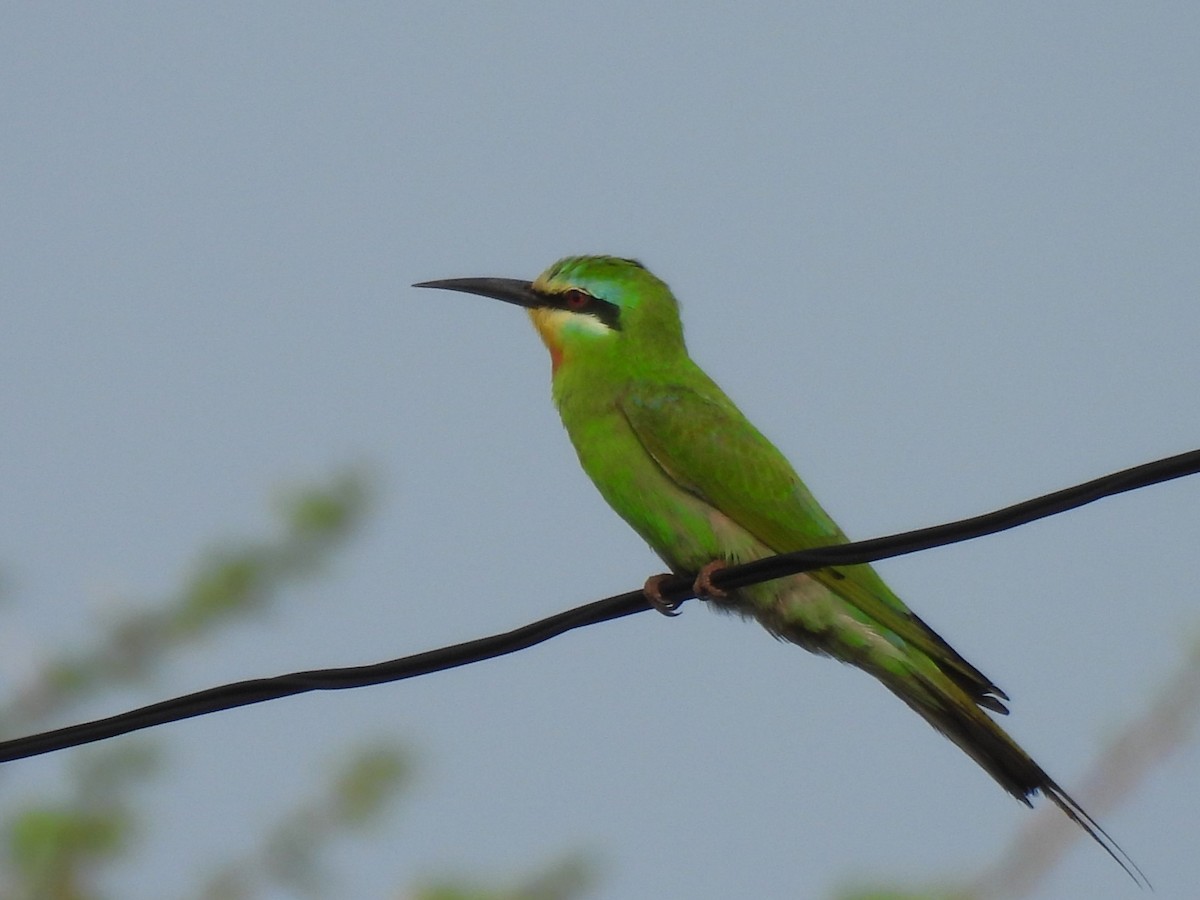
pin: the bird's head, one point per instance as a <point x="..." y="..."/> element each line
<point x="599" y="308"/>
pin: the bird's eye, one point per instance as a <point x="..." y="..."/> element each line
<point x="576" y="299"/>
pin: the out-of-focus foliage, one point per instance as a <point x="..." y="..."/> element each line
<point x="564" y="880"/>
<point x="237" y="578"/>
<point x="290" y="855"/>
<point x="54" y="846"/>
<point x="58" y="847"/>
<point x="1166" y="722"/>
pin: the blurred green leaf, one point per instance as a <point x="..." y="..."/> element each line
<point x="370" y="781"/>
<point x="236" y="579"/>
<point x="40" y="833"/>
<point x="327" y="512"/>
<point x="567" y="879"/>
<point x="230" y="581"/>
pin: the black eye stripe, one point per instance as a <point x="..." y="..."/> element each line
<point x="578" y="301"/>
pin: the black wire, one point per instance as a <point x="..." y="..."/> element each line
<point x="1147" y="474"/>
<point x="676" y="589"/>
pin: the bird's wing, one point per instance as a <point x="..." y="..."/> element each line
<point x="711" y="450"/>
<point x="706" y="446"/>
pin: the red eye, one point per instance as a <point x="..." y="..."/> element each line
<point x="577" y="299"/>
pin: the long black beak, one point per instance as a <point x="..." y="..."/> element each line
<point x="510" y="290"/>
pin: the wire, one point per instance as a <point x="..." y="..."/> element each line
<point x="675" y="589"/>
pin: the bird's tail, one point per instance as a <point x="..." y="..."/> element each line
<point x="945" y="706"/>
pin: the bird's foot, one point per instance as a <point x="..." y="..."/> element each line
<point x="653" y="593"/>
<point x="703" y="585"/>
<point x="702" y="588"/>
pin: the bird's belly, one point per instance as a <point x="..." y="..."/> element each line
<point x="687" y="533"/>
<point x="796" y="608"/>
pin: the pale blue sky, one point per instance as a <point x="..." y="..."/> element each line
<point x="944" y="255"/>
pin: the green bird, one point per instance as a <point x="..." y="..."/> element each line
<point x="704" y="488"/>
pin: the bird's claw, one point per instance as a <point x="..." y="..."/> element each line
<point x="703" y="587"/>
<point x="653" y="593"/>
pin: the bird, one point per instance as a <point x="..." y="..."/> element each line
<point x="681" y="464"/>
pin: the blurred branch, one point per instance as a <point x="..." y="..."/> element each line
<point x="57" y="846"/>
<point x="563" y="880"/>
<point x="53" y="847"/>
<point x="289" y="856"/>
<point x="1127" y="760"/>
<point x="675" y="589"/>
<point x="237" y="579"/>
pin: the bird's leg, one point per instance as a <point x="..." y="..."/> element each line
<point x="653" y="592"/>
<point x="703" y="585"/>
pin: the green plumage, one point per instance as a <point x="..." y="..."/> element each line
<point x="680" y="463"/>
